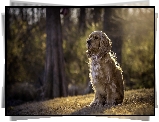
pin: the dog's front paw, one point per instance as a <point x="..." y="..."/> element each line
<point x="94" y="103"/>
<point x="110" y="103"/>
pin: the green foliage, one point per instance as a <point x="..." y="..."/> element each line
<point x="25" y="49"/>
<point x="138" y="50"/>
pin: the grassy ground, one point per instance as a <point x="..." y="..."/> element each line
<point x="136" y="102"/>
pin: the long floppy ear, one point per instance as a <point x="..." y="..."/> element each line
<point x="105" y="45"/>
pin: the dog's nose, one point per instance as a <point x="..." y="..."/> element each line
<point x="89" y="42"/>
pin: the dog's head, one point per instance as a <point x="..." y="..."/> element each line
<point x="98" y="44"/>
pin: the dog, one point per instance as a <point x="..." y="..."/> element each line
<point x="105" y="72"/>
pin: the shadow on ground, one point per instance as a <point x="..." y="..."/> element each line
<point x="95" y="110"/>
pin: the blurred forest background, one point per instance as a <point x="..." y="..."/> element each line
<point x="130" y="29"/>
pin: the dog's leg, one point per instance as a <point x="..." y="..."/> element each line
<point x="98" y="100"/>
<point x="110" y="98"/>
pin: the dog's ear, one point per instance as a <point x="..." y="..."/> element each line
<point x="105" y="45"/>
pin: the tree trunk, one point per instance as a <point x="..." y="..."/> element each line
<point x="66" y="24"/>
<point x="54" y="70"/>
<point x="82" y="21"/>
<point x="21" y="14"/>
<point x="97" y="15"/>
<point x="113" y="29"/>
<point x="32" y="10"/>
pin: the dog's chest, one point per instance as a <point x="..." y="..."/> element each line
<point x="96" y="70"/>
<point x="99" y="70"/>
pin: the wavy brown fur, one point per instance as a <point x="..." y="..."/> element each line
<point x="105" y="73"/>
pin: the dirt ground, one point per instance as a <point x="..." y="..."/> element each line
<point x="136" y="102"/>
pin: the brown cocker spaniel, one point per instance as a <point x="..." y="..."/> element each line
<point x="105" y="73"/>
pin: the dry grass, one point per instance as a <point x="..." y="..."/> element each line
<point x="136" y="102"/>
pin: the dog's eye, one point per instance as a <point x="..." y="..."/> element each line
<point x="96" y="37"/>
